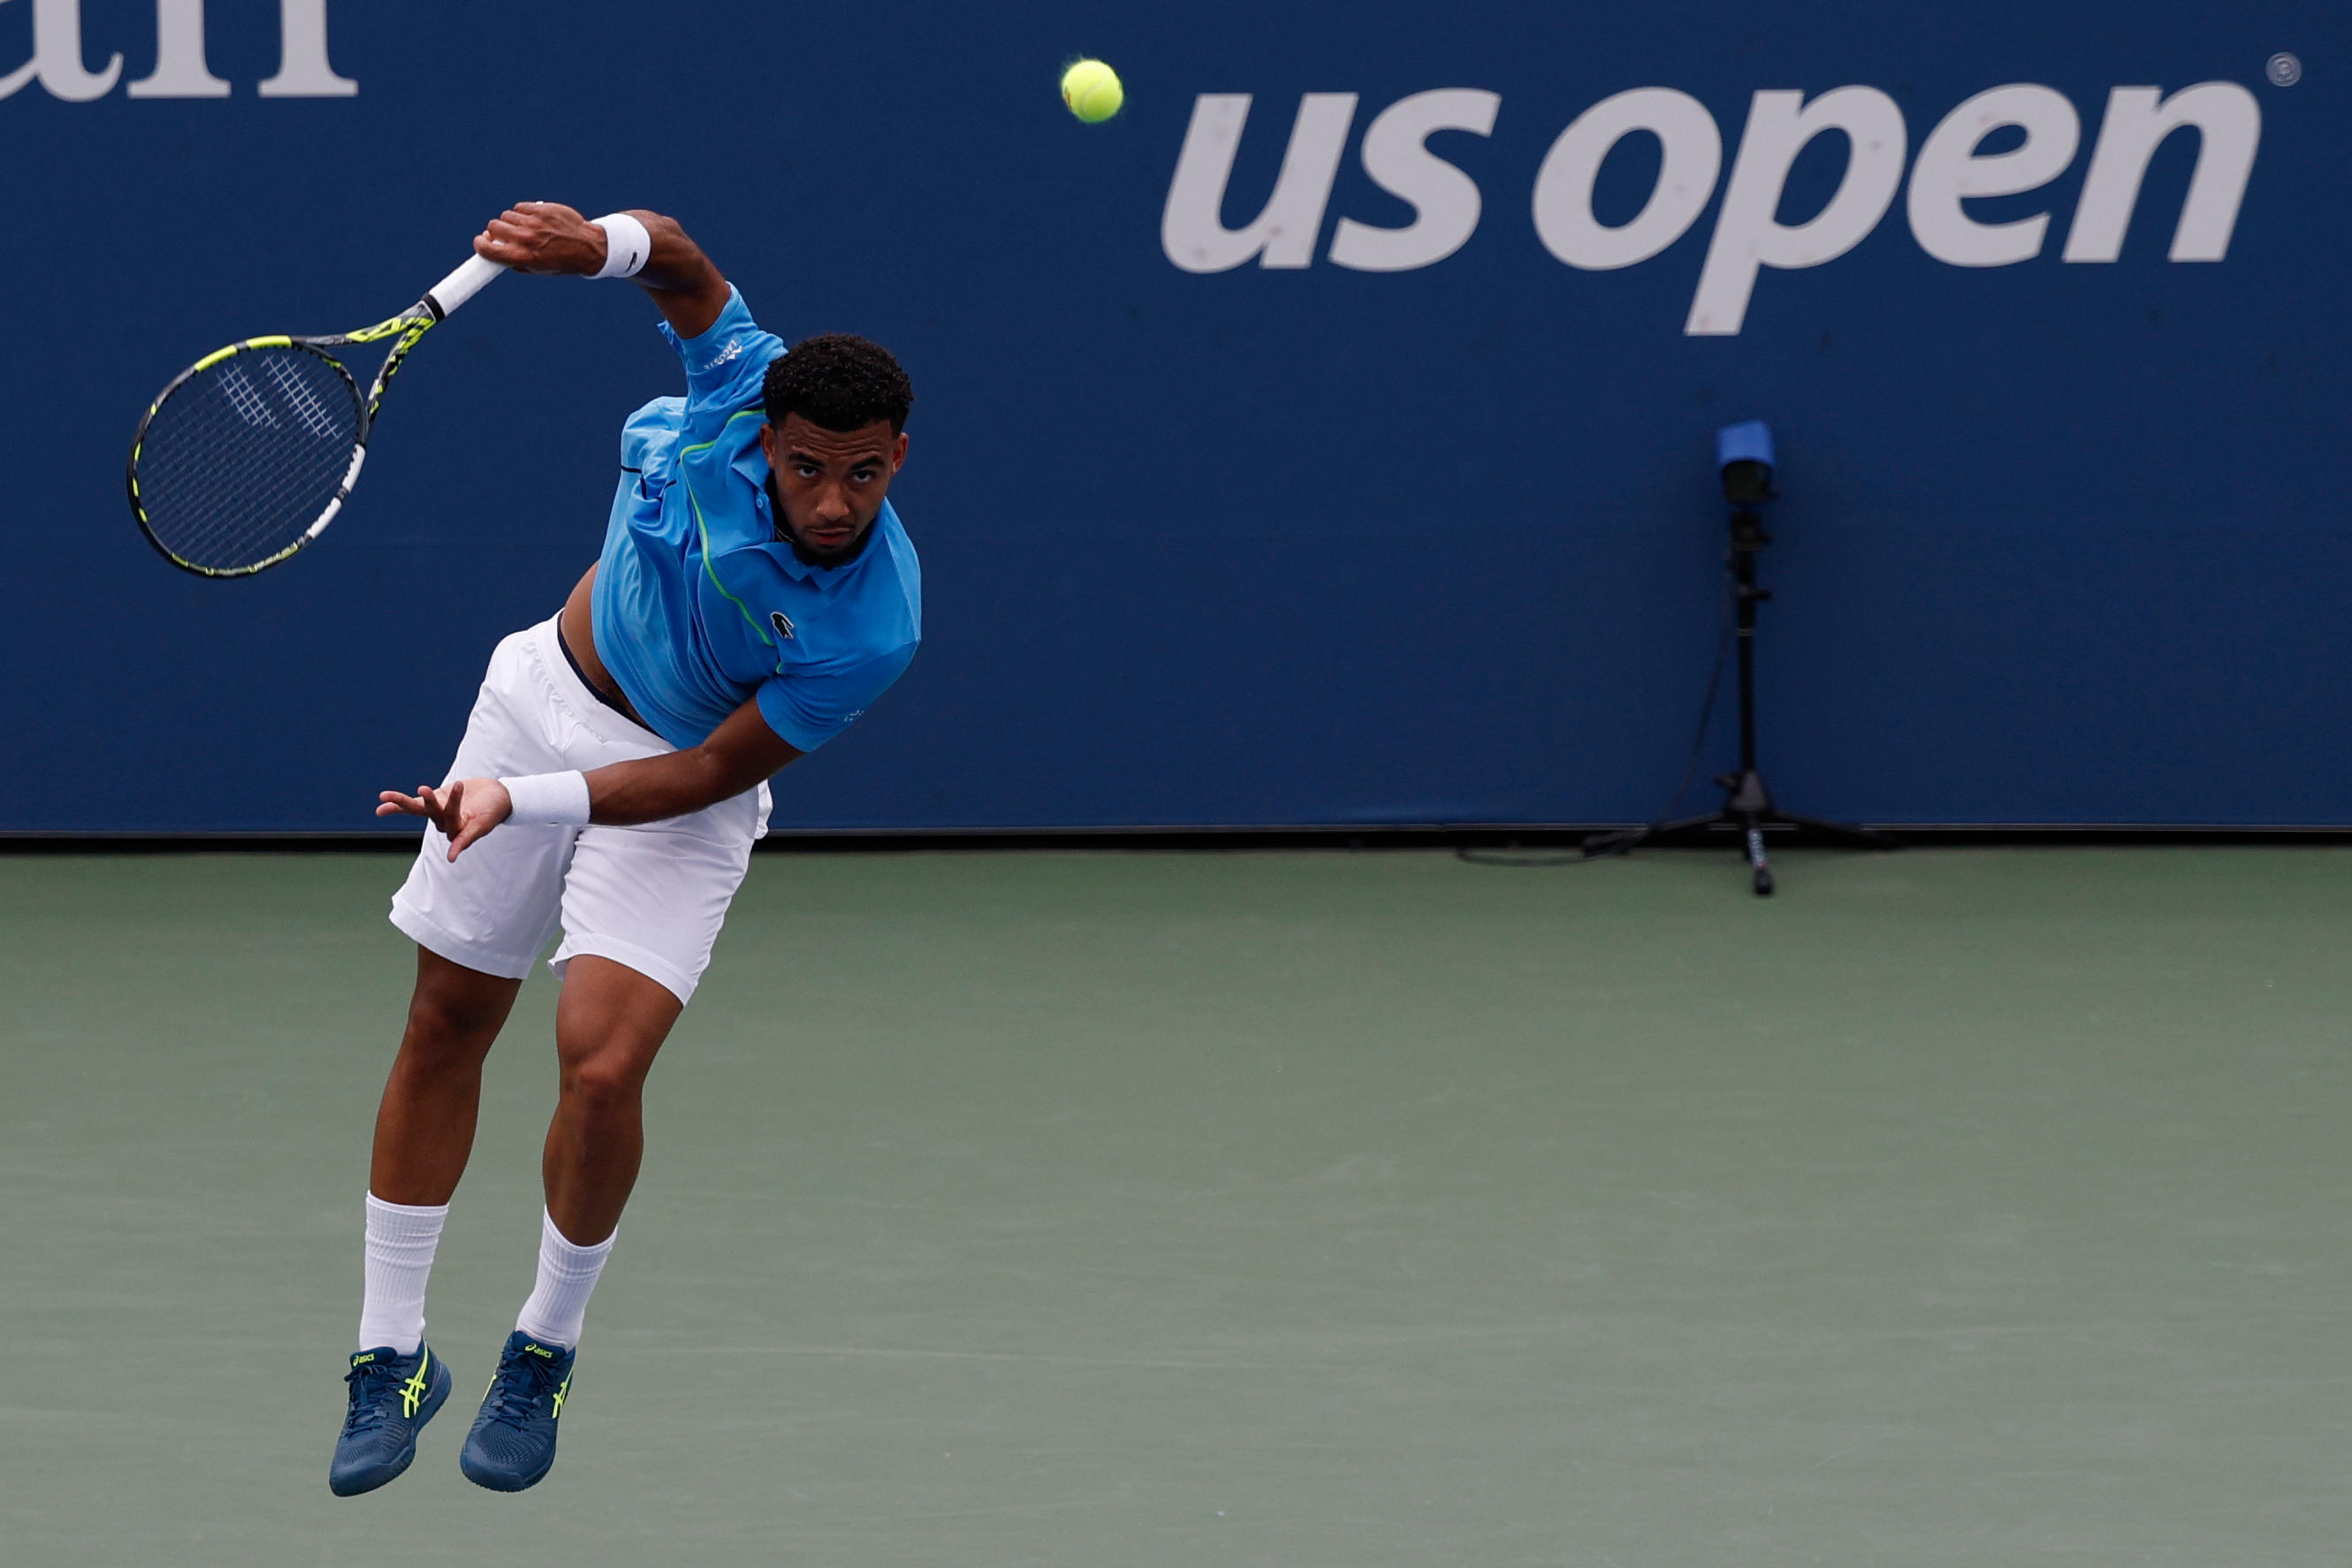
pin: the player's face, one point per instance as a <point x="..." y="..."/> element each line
<point x="830" y="483"/>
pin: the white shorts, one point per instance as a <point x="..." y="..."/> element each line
<point x="651" y="896"/>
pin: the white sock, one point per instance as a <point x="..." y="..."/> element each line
<point x="558" y="1303"/>
<point x="400" y="1245"/>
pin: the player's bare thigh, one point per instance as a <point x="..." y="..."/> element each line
<point x="455" y="1013"/>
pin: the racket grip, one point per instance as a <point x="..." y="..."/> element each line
<point x="443" y="298"/>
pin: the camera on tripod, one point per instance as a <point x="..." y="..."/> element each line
<point x="1743" y="456"/>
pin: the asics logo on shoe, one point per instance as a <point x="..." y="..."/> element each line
<point x="412" y="1393"/>
<point x="557" y="1414"/>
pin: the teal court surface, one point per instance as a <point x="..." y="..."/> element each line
<point x="1955" y="1208"/>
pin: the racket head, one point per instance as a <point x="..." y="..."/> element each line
<point x="247" y="456"/>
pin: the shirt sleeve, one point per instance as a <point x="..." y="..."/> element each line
<point x="808" y="710"/>
<point x="725" y="366"/>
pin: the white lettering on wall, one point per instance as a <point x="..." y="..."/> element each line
<point x="2229" y="126"/>
<point x="302" y="67"/>
<point x="57" y="61"/>
<point x="180" y="69"/>
<point x="1691" y="152"/>
<point x="1444" y="200"/>
<point x="1191" y="227"/>
<point x="1748" y="235"/>
<point x="1949" y="169"/>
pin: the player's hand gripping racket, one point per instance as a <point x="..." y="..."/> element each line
<point x="250" y="452"/>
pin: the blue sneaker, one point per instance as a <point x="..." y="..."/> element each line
<point x="393" y="1396"/>
<point x="512" y="1444"/>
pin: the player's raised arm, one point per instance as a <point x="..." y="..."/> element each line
<point x="548" y="236"/>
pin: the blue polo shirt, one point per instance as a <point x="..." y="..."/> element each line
<point x="699" y="606"/>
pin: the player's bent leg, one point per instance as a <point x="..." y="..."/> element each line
<point x="477" y="924"/>
<point x="609" y="1026"/>
<point x="642" y="908"/>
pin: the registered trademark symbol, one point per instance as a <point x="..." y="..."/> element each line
<point x="2284" y="69"/>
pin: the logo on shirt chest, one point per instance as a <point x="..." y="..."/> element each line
<point x="783" y="623"/>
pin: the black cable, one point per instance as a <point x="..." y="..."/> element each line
<point x="1690" y="769"/>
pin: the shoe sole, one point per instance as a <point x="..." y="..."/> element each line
<point x="433" y="1400"/>
<point x="499" y="1483"/>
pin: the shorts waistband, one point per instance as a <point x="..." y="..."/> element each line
<point x="617" y="704"/>
<point x="587" y="703"/>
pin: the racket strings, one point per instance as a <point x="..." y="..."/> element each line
<point x="243" y="457"/>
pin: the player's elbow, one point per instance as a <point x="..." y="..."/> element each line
<point x="675" y="258"/>
<point x="662" y="229"/>
<point x="721" y="775"/>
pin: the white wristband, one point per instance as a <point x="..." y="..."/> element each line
<point x="627" y="246"/>
<point x="548" y="800"/>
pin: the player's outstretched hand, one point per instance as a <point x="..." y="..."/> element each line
<point x="463" y="810"/>
<point x="543" y="237"/>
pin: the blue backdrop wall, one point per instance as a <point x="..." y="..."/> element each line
<point x="1403" y="514"/>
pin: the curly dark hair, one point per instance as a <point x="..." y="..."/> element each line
<point x="839" y="381"/>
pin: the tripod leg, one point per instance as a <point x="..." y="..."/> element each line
<point x="1755" y="837"/>
<point x="1617" y="841"/>
<point x="1691" y="828"/>
<point x="1660" y="834"/>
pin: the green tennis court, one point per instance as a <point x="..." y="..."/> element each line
<point x="1985" y="1206"/>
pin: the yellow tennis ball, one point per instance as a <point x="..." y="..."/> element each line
<point x="1091" y="89"/>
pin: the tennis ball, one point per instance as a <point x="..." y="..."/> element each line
<point x="1091" y="89"/>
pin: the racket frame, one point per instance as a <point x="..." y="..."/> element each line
<point x="406" y="329"/>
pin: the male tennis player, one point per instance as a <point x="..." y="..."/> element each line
<point x="755" y="594"/>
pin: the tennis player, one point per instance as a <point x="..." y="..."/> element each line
<point x="755" y="594"/>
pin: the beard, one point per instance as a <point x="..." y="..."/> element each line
<point x="809" y="555"/>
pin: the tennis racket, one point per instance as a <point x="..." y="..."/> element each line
<point x="251" y="451"/>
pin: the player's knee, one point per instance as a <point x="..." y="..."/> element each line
<point x="446" y="1029"/>
<point x="603" y="1085"/>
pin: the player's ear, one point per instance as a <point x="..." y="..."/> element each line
<point x="768" y="441"/>
<point x="899" y="452"/>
